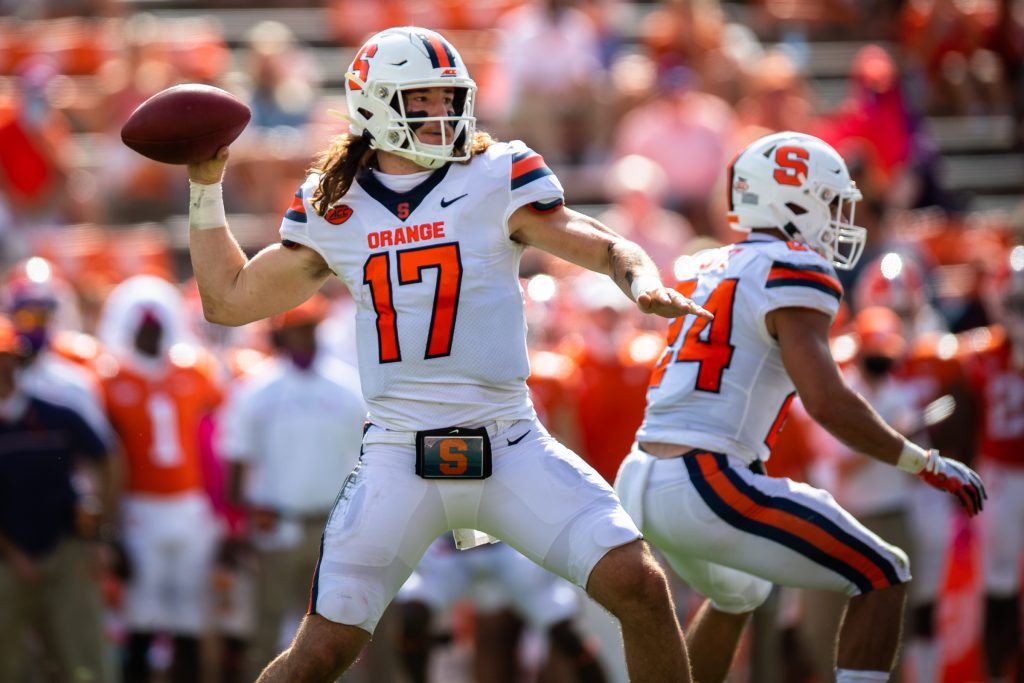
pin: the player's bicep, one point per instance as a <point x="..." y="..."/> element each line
<point x="567" y="234"/>
<point x="802" y="334"/>
<point x="275" y="280"/>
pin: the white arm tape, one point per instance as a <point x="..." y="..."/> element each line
<point x="642" y="284"/>
<point x="206" y="206"/>
<point x="912" y="458"/>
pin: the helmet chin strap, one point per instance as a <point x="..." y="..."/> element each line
<point x="424" y="161"/>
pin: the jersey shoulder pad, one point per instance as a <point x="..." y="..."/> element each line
<point x="793" y="265"/>
<point x="526" y="166"/>
<point x="297" y="207"/>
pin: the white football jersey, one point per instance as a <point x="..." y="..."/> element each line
<point x="721" y="385"/>
<point x="440" y="327"/>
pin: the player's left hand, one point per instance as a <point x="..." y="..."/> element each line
<point x="669" y="303"/>
<point x="957" y="478"/>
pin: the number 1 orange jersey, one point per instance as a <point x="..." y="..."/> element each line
<point x="157" y="416"/>
<point x="998" y="385"/>
<point x="720" y="385"/>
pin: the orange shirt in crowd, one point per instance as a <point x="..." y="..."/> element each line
<point x="157" y="417"/>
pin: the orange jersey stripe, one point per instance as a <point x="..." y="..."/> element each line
<point x="779" y="273"/>
<point x="524" y="166"/>
<point x="788" y="523"/>
<point x="297" y="205"/>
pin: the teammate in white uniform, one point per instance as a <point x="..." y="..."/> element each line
<point x="425" y="220"/>
<point x="719" y="395"/>
<point x="496" y="578"/>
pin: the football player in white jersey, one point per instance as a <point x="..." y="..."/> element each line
<point x="719" y="395"/>
<point x="424" y="219"/>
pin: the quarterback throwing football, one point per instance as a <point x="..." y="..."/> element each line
<point x="425" y="219"/>
<point x="719" y="395"/>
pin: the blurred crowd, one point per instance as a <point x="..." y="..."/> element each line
<point x="188" y="537"/>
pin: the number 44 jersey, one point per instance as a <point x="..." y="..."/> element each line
<point x="720" y="385"/>
<point x="441" y="331"/>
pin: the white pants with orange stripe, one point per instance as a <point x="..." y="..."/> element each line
<point x="541" y="498"/>
<point x="731" y="533"/>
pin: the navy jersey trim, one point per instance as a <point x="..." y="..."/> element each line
<point x="393" y="201"/>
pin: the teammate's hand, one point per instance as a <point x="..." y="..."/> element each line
<point x="957" y="478"/>
<point x="669" y="303"/>
<point x="211" y="171"/>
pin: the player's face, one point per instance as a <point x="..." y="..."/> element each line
<point x="427" y="102"/>
<point x="148" y="337"/>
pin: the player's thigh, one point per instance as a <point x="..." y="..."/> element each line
<point x="782" y="531"/>
<point x="381" y="524"/>
<point x="548" y="503"/>
<point x="1003" y="528"/>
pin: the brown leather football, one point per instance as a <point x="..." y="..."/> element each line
<point x="186" y="123"/>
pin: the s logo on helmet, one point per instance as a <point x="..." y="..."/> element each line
<point x="336" y="215"/>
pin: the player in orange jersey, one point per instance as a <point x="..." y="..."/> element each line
<point x="994" y="358"/>
<point x="158" y="387"/>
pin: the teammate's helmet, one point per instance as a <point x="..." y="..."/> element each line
<point x="893" y="280"/>
<point x="800" y="185"/>
<point x="401" y="59"/>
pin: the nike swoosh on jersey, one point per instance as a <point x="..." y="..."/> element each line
<point x="446" y="204"/>
<point x="513" y="442"/>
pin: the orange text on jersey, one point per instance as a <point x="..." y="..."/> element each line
<point x="406" y="234"/>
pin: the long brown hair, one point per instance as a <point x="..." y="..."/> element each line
<point x="348" y="154"/>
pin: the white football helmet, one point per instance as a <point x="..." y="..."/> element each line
<point x="800" y="185"/>
<point x="409" y="58"/>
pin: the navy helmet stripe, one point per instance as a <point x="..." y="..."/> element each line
<point x="435" y="61"/>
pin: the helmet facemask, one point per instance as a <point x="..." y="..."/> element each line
<point x="828" y="227"/>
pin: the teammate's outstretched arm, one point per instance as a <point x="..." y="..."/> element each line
<point x="802" y="334"/>
<point x="587" y="242"/>
<point x="234" y="289"/>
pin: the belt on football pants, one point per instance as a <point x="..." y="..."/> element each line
<point x="376" y="434"/>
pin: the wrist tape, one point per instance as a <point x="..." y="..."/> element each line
<point x="206" y="206"/>
<point x="643" y="283"/>
<point x="912" y="458"/>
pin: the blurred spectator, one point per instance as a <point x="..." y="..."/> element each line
<point x="638" y="187"/>
<point x="694" y="34"/>
<point x="681" y="117"/>
<point x="994" y="357"/>
<point x="54" y="477"/>
<point x="35" y="148"/>
<point x="614" y="358"/>
<point x="897" y="281"/>
<point x="42" y="306"/>
<point x="158" y="388"/>
<point x="275" y="431"/>
<point x="550" y="60"/>
<point x="876" y="110"/>
<point x="777" y="98"/>
<point x="283" y="77"/>
<point x="969" y="53"/>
